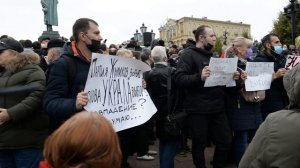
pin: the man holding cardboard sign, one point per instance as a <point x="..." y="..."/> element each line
<point x="67" y="77"/>
<point x="276" y="97"/>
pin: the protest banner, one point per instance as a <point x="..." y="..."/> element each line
<point x="292" y="61"/>
<point x="259" y="75"/>
<point x="222" y="70"/>
<point x="114" y="87"/>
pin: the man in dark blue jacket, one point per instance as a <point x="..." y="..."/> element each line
<point x="64" y="95"/>
<point x="276" y="96"/>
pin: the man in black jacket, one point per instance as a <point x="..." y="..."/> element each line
<point x="157" y="82"/>
<point x="204" y="105"/>
<point x="276" y="96"/>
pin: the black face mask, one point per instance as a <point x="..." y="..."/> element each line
<point x="208" y="47"/>
<point x="95" y="46"/>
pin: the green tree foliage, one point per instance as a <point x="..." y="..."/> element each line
<point x="218" y="46"/>
<point x="282" y="27"/>
<point x="246" y="35"/>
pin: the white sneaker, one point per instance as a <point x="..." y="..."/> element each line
<point x="145" y="157"/>
<point x="151" y="152"/>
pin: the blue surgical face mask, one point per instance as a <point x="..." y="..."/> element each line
<point x="249" y="53"/>
<point x="278" y="49"/>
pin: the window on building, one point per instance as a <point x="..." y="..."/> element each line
<point x="181" y="27"/>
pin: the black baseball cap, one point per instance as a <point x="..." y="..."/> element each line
<point x="8" y="43"/>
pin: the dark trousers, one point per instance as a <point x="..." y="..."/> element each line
<point x="141" y="141"/>
<point x="240" y="142"/>
<point x="167" y="152"/>
<point x="149" y="128"/>
<point x="133" y="140"/>
<point x="215" y="125"/>
<point x="126" y="138"/>
<point x="19" y="158"/>
<point x="185" y="134"/>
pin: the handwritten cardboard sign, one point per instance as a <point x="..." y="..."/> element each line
<point x="259" y="75"/>
<point x="221" y="72"/>
<point x="292" y="61"/>
<point x="114" y="87"/>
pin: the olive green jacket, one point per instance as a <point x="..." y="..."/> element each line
<point x="28" y="126"/>
<point x="277" y="141"/>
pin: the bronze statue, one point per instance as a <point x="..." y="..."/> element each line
<point x="50" y="13"/>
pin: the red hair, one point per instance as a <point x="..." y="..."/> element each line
<point x="86" y="140"/>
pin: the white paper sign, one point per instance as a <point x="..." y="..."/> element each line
<point x="292" y="61"/>
<point x="259" y="75"/>
<point x="114" y="87"/>
<point x="222" y="70"/>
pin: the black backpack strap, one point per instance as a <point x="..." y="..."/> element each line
<point x="175" y="95"/>
<point x="146" y="77"/>
<point x="47" y="73"/>
<point x="71" y="68"/>
<point x="169" y="88"/>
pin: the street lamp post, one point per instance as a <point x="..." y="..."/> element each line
<point x="143" y="28"/>
<point x="225" y="37"/>
<point x="153" y="34"/>
<point x="137" y="36"/>
<point x="144" y="36"/>
<point x="291" y="12"/>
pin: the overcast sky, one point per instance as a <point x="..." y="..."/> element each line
<point x="118" y="19"/>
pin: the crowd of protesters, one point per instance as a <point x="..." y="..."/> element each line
<point x="42" y="122"/>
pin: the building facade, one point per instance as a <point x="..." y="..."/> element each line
<point x="180" y="30"/>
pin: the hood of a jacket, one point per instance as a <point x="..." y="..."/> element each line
<point x="23" y="60"/>
<point x="67" y="49"/>
<point x="274" y="56"/>
<point x="291" y="82"/>
<point x="201" y="51"/>
<point x="190" y="42"/>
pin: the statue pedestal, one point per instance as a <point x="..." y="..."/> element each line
<point x="49" y="34"/>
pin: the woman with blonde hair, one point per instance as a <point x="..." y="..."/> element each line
<point x="86" y="140"/>
<point x="244" y="116"/>
<point x="239" y="47"/>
